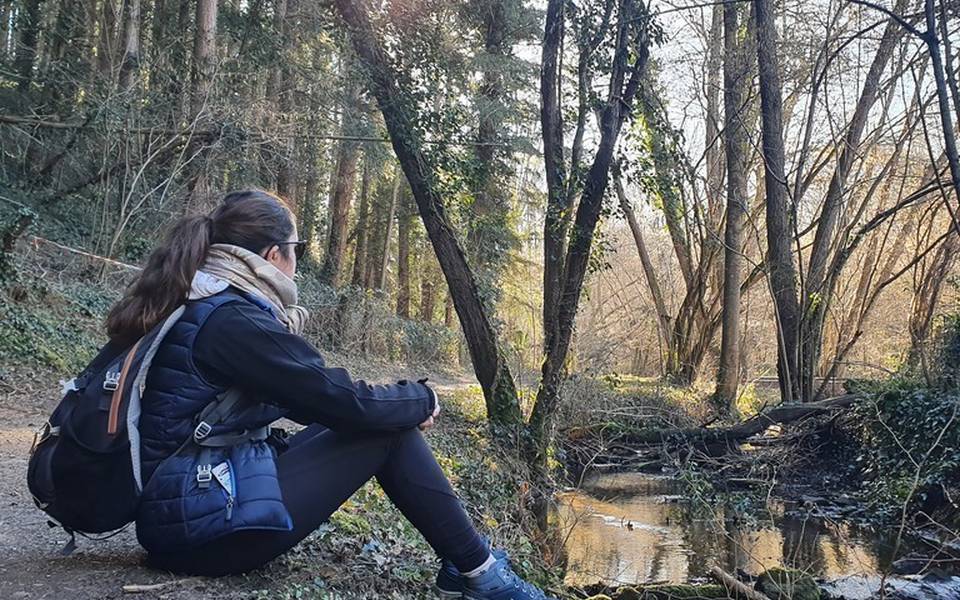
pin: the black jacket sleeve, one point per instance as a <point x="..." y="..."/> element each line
<point x="243" y="345"/>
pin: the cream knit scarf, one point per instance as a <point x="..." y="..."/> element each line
<point x="232" y="265"/>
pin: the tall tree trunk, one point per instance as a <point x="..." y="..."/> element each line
<point x="379" y="225"/>
<point x="67" y="50"/>
<point x="6" y="10"/>
<point x="202" y="74"/>
<point x="943" y="102"/>
<point x="106" y="46"/>
<point x="780" y="230"/>
<point x="404" y="225"/>
<point x="160" y="21"/>
<point x="280" y="93"/>
<point x="346" y="175"/>
<point x="427" y="297"/>
<point x="448" y="312"/>
<point x="556" y="217"/>
<point x="666" y="167"/>
<point x="130" y="61"/>
<point x="310" y="210"/>
<point x="360" y="253"/>
<point x="170" y="58"/>
<point x="339" y="212"/>
<point x="92" y="41"/>
<point x="204" y="54"/>
<point x="29" y="20"/>
<point x="489" y="362"/>
<point x="737" y="78"/>
<point x="488" y="234"/>
<point x="714" y="153"/>
<point x="379" y="279"/>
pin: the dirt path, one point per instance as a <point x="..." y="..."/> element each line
<point x="31" y="565"/>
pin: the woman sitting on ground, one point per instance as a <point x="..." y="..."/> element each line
<point x="241" y="331"/>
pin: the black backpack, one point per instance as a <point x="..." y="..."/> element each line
<point x="84" y="467"/>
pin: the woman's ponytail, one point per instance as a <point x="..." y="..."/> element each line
<point x="165" y="281"/>
<point x="251" y="219"/>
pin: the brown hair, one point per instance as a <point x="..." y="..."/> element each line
<point x="251" y="219"/>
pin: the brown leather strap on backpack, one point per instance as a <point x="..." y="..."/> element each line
<point x="113" y="420"/>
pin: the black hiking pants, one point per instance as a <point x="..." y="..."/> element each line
<point x="319" y="471"/>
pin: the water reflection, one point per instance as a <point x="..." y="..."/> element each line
<point x="640" y="533"/>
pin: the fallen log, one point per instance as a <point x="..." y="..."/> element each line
<point x="780" y="415"/>
<point x="737" y="588"/>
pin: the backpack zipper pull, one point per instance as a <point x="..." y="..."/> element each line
<point x="224" y="476"/>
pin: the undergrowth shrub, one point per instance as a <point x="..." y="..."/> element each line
<point x="52" y="313"/>
<point x="628" y="403"/>
<point x="51" y="325"/>
<point x="908" y="433"/>
<point x="354" y="321"/>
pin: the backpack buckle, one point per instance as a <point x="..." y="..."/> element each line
<point x="67" y="386"/>
<point x="111" y="381"/>
<point x="204" y="475"/>
<point x="202" y="430"/>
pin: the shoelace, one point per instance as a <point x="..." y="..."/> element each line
<point x="525" y="586"/>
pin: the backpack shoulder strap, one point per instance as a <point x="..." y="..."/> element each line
<point x="148" y="345"/>
<point x="213" y="414"/>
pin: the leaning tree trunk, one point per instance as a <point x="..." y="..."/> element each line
<point x="664" y="320"/>
<point x="29" y="19"/>
<point x="926" y="299"/>
<point x="781" y="268"/>
<point x="489" y="362"/>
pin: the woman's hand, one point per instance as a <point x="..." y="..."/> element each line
<point x="436" y="411"/>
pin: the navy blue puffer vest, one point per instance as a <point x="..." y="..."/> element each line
<point x="176" y="511"/>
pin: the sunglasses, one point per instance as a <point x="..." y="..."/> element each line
<point x="299" y="247"/>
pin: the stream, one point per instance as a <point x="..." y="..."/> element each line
<point x="632" y="528"/>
